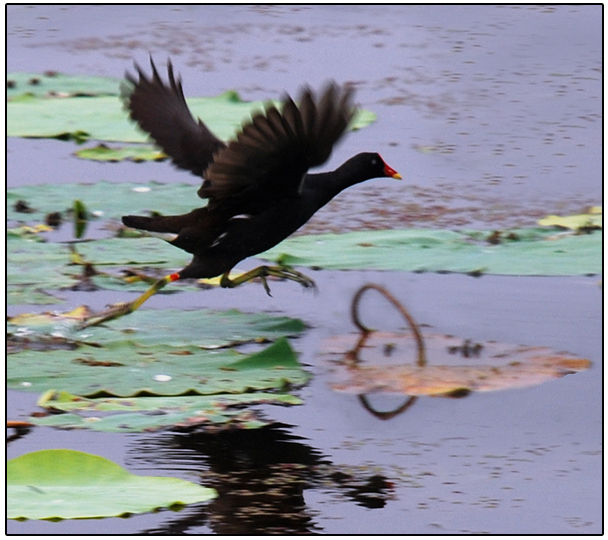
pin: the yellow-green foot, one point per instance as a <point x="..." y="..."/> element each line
<point x="119" y="310"/>
<point x="262" y="272"/>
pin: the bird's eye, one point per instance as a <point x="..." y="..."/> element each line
<point x="374" y="161"/>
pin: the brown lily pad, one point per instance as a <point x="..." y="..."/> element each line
<point x="456" y="367"/>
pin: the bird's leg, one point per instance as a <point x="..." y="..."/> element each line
<point x="262" y="272"/>
<point x="126" y="308"/>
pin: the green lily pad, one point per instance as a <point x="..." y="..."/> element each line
<point x="38" y="272"/>
<point x="137" y="153"/>
<point x="28" y="232"/>
<point x="204" y="328"/>
<point x="128" y="368"/>
<point x="149" y="251"/>
<point x="148" y="152"/>
<point x="145" y="414"/>
<point x="521" y="252"/>
<point x="67" y="484"/>
<point x="24" y="86"/>
<point x="103" y="199"/>
<point x="33" y="270"/>
<point x="104" y="119"/>
<point x="518" y="252"/>
<point x="145" y="152"/>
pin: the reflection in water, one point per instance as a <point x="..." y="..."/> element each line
<point x="353" y="356"/>
<point x="21" y="429"/>
<point x="362" y="361"/>
<point x="386" y="415"/>
<point x="261" y="476"/>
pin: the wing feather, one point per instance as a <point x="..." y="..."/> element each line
<point x="160" y="109"/>
<point x="273" y="152"/>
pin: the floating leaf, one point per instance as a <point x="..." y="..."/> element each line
<point x="128" y="368"/>
<point x="32" y="269"/>
<point x="206" y="328"/>
<point x="37" y="272"/>
<point x="363" y="118"/>
<point x="137" y="153"/>
<point x="456" y="366"/>
<point x="145" y="414"/>
<point x="166" y="353"/>
<point x="533" y="251"/>
<point x="50" y="319"/>
<point x="111" y="200"/>
<point x="148" y="251"/>
<point x="29" y="233"/>
<point x="103" y="118"/>
<point x="521" y="252"/>
<point x="54" y="85"/>
<point x="591" y="220"/>
<point x="67" y="484"/>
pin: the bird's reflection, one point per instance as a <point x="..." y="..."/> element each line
<point x="261" y="476"/>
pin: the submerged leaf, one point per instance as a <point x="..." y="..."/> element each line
<point x="456" y="366"/>
<point x="67" y="484"/>
<point x="133" y="414"/>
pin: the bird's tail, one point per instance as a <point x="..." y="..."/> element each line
<point x="166" y="224"/>
<point x="152" y="224"/>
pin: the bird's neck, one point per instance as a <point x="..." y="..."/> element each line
<point x="323" y="187"/>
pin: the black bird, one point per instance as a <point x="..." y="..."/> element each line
<point x="257" y="186"/>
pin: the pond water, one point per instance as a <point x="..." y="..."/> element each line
<point x="492" y="114"/>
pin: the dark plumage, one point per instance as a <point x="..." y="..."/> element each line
<point x="257" y="186"/>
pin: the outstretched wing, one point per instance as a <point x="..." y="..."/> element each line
<point x="160" y="109"/>
<point x="272" y="153"/>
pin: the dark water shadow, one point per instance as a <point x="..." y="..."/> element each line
<point x="261" y="477"/>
